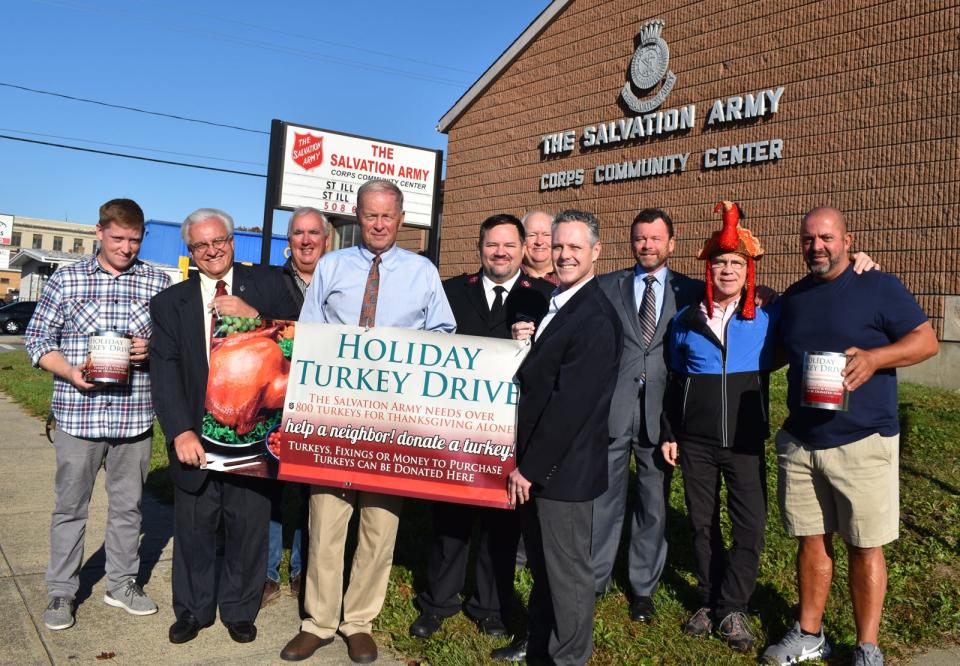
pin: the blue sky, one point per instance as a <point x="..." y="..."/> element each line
<point x="382" y="69"/>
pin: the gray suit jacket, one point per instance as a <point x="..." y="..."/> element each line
<point x="679" y="292"/>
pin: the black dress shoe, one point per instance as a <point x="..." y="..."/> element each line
<point x="426" y="625"/>
<point x="185" y="628"/>
<point x="515" y="652"/>
<point x="491" y="626"/>
<point x="242" y="632"/>
<point x="642" y="610"/>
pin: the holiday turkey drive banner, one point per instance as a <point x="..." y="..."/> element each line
<point x="389" y="410"/>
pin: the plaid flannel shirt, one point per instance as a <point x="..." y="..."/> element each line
<point x="80" y="299"/>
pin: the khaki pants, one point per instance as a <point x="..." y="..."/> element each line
<point x="330" y="512"/>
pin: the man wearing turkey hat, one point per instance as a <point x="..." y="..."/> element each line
<point x="715" y="422"/>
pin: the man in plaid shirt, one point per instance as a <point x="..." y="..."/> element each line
<point x="109" y="425"/>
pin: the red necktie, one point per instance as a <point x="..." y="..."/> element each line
<point x="221" y="291"/>
<point x="368" y="311"/>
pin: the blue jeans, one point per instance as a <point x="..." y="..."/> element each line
<point x="275" y="549"/>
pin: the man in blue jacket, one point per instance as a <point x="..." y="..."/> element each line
<point x="720" y="356"/>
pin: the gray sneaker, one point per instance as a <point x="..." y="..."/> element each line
<point x="130" y="597"/>
<point x="867" y="654"/>
<point x="795" y="647"/>
<point x="59" y="614"/>
<point x="735" y="630"/>
<point x="699" y="623"/>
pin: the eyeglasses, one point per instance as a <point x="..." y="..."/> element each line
<point x="216" y="244"/>
<point x="733" y="264"/>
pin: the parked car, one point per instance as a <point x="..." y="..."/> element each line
<point x="15" y="317"/>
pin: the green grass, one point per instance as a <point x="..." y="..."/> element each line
<point x="922" y="606"/>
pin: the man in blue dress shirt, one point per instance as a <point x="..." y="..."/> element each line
<point x="375" y="283"/>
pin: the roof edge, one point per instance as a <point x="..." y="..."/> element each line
<point x="505" y="60"/>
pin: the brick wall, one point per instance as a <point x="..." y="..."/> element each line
<point x="869" y="120"/>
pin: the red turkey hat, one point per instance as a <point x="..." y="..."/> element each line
<point x="733" y="238"/>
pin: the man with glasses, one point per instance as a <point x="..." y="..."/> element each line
<point x="720" y="353"/>
<point x="109" y="425"/>
<point x="184" y="318"/>
<point x="373" y="284"/>
<point x="308" y="234"/>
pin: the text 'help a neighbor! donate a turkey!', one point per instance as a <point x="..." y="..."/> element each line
<point x="388" y="410"/>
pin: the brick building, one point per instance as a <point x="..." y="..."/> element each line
<point x="779" y="106"/>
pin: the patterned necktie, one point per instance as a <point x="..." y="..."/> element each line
<point x="648" y="312"/>
<point x="368" y="311"/>
<point x="496" y="310"/>
<point x="221" y="291"/>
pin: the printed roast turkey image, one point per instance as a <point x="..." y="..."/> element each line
<point x="249" y="368"/>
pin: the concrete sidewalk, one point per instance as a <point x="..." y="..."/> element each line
<point x="26" y="500"/>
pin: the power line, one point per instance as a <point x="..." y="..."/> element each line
<point x="132" y="157"/>
<point x="392" y="56"/>
<point x="131" y="108"/>
<point x="207" y="34"/>
<point x="124" y="145"/>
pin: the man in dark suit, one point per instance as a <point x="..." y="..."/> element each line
<point x="562" y="440"/>
<point x="180" y="352"/>
<point x="646" y="296"/>
<point x="486" y="303"/>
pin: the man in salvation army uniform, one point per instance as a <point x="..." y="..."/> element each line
<point x="485" y="303"/>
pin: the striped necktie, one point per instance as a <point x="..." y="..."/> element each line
<point x="648" y="312"/>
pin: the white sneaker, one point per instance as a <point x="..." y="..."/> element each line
<point x="131" y="598"/>
<point x="796" y="647"/>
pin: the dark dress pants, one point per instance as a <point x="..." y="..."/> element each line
<point x="562" y="600"/>
<point x="725" y="579"/>
<point x="497" y="536"/>
<point x="243" y="504"/>
<point x="647" y="551"/>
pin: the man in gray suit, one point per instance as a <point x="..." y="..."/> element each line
<point x="646" y="297"/>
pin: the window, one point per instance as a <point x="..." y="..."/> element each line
<point x="58" y="243"/>
<point x="37" y="242"/>
<point x="77" y="246"/>
<point x="348" y="235"/>
<point x="15" y="239"/>
<point x="4" y="280"/>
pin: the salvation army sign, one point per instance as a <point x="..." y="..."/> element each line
<point x="307" y="150"/>
<point x="402" y="412"/>
<point x="324" y="169"/>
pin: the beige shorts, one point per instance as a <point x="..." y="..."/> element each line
<point x="852" y="490"/>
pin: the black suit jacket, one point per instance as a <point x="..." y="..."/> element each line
<point x="178" y="360"/>
<point x="290" y="282"/>
<point x="528" y="299"/>
<point x="566" y="383"/>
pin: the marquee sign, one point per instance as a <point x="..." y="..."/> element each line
<point x="324" y="169"/>
<point x="648" y="67"/>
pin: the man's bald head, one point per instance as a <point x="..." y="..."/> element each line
<point x="825" y="242"/>
<point x="830" y="213"/>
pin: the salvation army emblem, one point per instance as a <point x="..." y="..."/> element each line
<point x="648" y="67"/>
<point x="307" y="150"/>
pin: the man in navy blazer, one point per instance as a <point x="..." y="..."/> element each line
<point x="562" y="440"/>
<point x="180" y="353"/>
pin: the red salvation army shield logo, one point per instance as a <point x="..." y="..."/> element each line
<point x="307" y="150"/>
